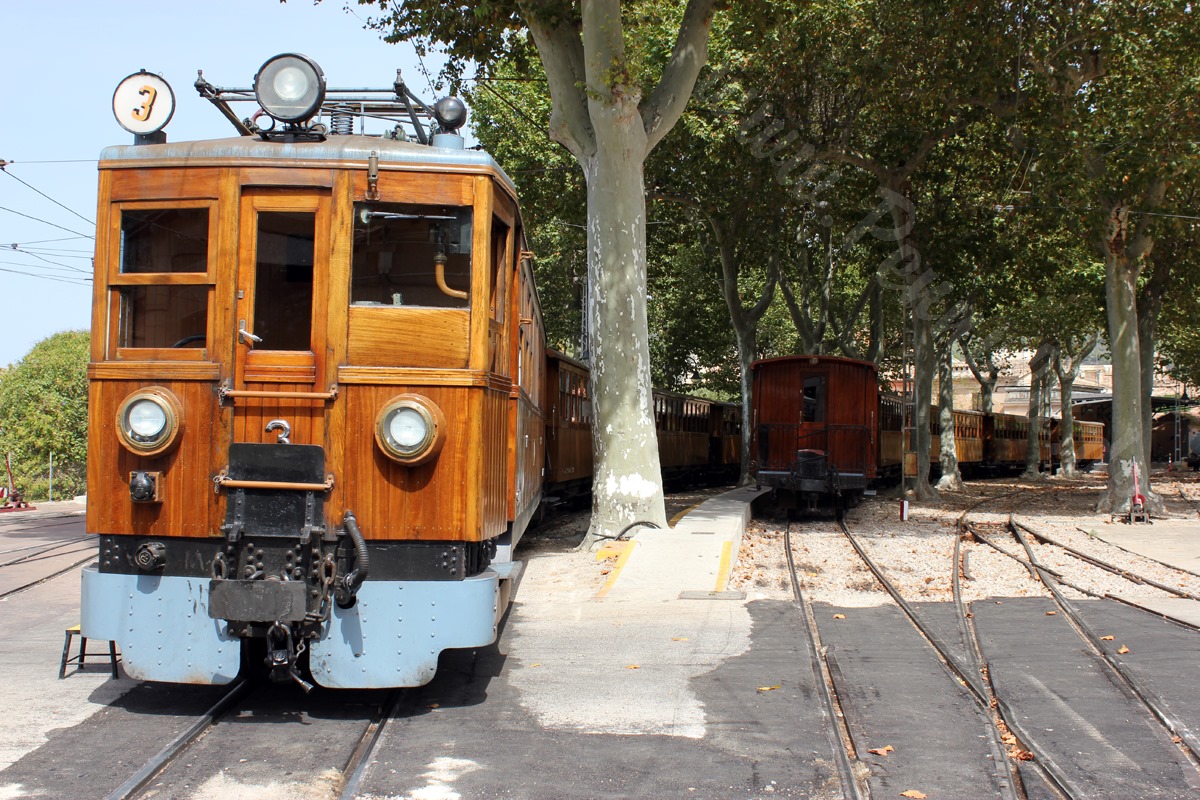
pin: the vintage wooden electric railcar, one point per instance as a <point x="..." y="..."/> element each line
<point x="823" y="431"/>
<point x="316" y="391"/>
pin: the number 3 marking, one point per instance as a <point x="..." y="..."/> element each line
<point x="142" y="112"/>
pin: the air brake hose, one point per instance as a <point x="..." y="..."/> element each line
<point x="354" y="579"/>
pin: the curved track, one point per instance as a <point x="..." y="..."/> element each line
<point x="1088" y="679"/>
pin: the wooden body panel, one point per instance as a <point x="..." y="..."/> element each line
<point x="414" y="337"/>
<point x="189" y="507"/>
<point x="1089" y="441"/>
<point x="527" y="419"/>
<point x="430" y="501"/>
<point x="464" y="361"/>
<point x="568" y="421"/>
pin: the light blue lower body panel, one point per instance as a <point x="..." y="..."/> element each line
<point x="395" y="632"/>
<point x="161" y="625"/>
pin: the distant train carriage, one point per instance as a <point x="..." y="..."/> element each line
<point x="699" y="440"/>
<point x="814" y="427"/>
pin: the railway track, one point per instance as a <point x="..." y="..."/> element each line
<point x="154" y="778"/>
<point x="35" y="551"/>
<point x="1036" y="767"/>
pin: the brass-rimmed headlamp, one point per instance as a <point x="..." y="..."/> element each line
<point x="290" y="87"/>
<point x="149" y="421"/>
<point x="410" y="429"/>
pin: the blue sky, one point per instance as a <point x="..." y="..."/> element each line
<point x="59" y="65"/>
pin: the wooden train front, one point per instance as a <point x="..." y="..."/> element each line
<point x="814" y="426"/>
<point x="314" y="413"/>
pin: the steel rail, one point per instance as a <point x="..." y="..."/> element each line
<point x="1003" y="715"/>
<point x="180" y="743"/>
<point x="839" y="733"/>
<point x="973" y="681"/>
<point x="360" y="757"/>
<point x="50" y="577"/>
<point x="979" y="537"/>
<point x="1104" y="565"/>
<point x="1148" y="698"/>
<point x="46" y="547"/>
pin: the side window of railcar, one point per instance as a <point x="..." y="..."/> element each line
<point x="411" y="255"/>
<point x="814" y="398"/>
<point x="499" y="268"/>
<point x="161" y="283"/>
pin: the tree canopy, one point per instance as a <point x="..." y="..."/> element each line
<point x="43" y="410"/>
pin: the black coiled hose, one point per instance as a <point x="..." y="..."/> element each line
<point x="351" y="582"/>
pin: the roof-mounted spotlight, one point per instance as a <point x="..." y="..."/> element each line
<point x="290" y="87"/>
<point x="451" y="114"/>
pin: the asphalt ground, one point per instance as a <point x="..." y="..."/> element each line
<point x="908" y="715"/>
<point x="684" y="694"/>
<point x="1075" y="713"/>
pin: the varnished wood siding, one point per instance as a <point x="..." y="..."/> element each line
<point x="430" y="501"/>
<point x="494" y="430"/>
<point x="411" y="337"/>
<point x="493" y="463"/>
<point x="189" y="506"/>
<point x="568" y="439"/>
<point x="527" y="445"/>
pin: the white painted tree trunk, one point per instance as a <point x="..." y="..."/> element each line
<point x="627" y="483"/>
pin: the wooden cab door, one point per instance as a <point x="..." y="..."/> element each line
<point x="280" y="338"/>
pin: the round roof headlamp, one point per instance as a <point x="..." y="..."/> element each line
<point x="290" y="87"/>
<point x="450" y="113"/>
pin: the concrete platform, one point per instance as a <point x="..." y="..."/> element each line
<point x="691" y="560"/>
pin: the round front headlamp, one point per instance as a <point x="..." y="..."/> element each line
<point x="290" y="87"/>
<point x="410" y="429"/>
<point x="149" y="421"/>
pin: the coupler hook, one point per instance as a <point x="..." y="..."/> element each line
<point x="282" y="655"/>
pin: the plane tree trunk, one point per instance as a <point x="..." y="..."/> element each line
<point x="600" y="116"/>
<point x="951" y="480"/>
<point x="1124" y="247"/>
<point x="1038" y="377"/>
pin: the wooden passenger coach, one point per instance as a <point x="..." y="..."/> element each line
<point x="310" y="352"/>
<point x="814" y="425"/>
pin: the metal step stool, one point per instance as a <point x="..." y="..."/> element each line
<point x="79" y="659"/>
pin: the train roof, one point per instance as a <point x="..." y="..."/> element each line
<point x="813" y="359"/>
<point x="335" y="151"/>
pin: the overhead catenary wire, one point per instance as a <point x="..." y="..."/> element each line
<point x="52" y="269"/>
<point x="43" y="194"/>
<point x="73" y="281"/>
<point x="46" y="222"/>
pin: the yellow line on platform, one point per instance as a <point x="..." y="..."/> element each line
<point x="725" y="566"/>
<point x="675" y="519"/>
<point x="616" y="571"/>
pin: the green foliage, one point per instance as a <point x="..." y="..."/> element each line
<point x="43" y="410"/>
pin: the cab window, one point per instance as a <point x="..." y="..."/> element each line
<point x="411" y="256"/>
<point x="161" y="283"/>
